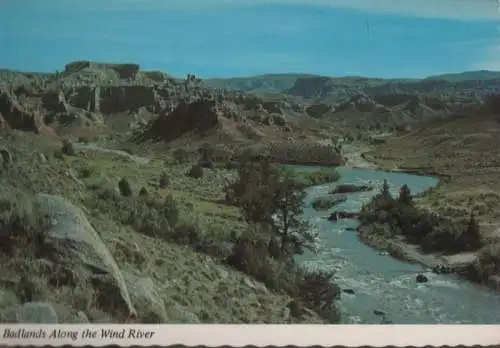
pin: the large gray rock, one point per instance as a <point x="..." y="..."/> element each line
<point x="30" y="312"/>
<point x="146" y="298"/>
<point x="72" y="242"/>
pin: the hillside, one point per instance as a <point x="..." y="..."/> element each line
<point x="468" y="75"/>
<point x="464" y="152"/>
<point x="276" y="83"/>
<point x="117" y="215"/>
<point x="313" y="86"/>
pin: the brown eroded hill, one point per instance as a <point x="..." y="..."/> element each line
<point x="465" y="151"/>
<point x="90" y="98"/>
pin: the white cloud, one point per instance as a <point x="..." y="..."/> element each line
<point x="447" y="9"/>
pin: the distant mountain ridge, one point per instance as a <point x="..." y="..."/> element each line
<point x="274" y="83"/>
<point x="338" y="89"/>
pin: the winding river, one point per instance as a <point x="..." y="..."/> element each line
<point x="381" y="282"/>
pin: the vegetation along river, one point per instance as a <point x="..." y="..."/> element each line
<point x="383" y="283"/>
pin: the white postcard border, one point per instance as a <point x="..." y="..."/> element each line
<point x="256" y="335"/>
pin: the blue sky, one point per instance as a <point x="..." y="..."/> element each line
<point x="383" y="38"/>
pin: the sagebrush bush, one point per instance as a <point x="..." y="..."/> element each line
<point x="67" y="148"/>
<point x="164" y="180"/>
<point x="21" y="222"/>
<point x="251" y="257"/>
<point x="314" y="290"/>
<point x="171" y="210"/>
<point x="318" y="291"/>
<point x="143" y="192"/>
<point x="196" y="172"/>
<point x="125" y="188"/>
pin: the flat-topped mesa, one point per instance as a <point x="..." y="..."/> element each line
<point x="124" y="71"/>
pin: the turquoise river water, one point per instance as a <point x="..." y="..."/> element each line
<point x="381" y="282"/>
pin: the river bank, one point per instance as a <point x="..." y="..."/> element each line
<point x="397" y="246"/>
<point x="400" y="249"/>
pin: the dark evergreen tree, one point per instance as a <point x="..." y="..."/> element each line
<point x="385" y="192"/>
<point x="405" y="195"/>
<point x="472" y="234"/>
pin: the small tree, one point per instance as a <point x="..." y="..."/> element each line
<point x="143" y="192"/>
<point x="67" y="147"/>
<point x="405" y="195"/>
<point x="287" y="209"/>
<point x="206" y="156"/>
<point x="385" y="192"/>
<point x="253" y="190"/>
<point x="268" y="196"/>
<point x="124" y="187"/>
<point x="472" y="234"/>
<point x="171" y="211"/>
<point x="196" y="172"/>
<point x="164" y="180"/>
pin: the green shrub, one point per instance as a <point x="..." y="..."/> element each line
<point x="21" y="223"/>
<point x="314" y="290"/>
<point x="143" y="192"/>
<point x="318" y="292"/>
<point x="188" y="232"/>
<point x="125" y="188"/>
<point x="86" y="172"/>
<point x="351" y="188"/>
<point x="251" y="257"/>
<point x="196" y="172"/>
<point x="430" y="231"/>
<point x="181" y="155"/>
<point x="67" y="148"/>
<point x="171" y="210"/>
<point x="323" y="176"/>
<point x="324" y="203"/>
<point x="164" y="180"/>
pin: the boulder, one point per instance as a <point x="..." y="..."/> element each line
<point x="72" y="242"/>
<point x="30" y="312"/>
<point x="145" y="297"/>
<point x="379" y="313"/>
<point x="343" y="215"/>
<point x="421" y="279"/>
